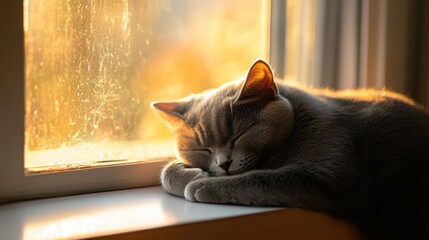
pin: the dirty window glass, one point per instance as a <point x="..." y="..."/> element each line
<point x="92" y="68"/>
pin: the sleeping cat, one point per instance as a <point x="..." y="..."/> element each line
<point x="358" y="155"/>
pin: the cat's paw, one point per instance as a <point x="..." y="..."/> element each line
<point x="200" y="191"/>
<point x="176" y="175"/>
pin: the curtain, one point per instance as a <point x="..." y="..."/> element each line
<point x="381" y="44"/>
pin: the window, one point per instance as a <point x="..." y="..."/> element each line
<point x="91" y="70"/>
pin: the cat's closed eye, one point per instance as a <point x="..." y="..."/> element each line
<point x="239" y="135"/>
<point x="202" y="150"/>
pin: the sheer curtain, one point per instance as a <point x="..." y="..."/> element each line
<point x="355" y="44"/>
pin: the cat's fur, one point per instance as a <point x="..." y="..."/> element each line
<point x="359" y="155"/>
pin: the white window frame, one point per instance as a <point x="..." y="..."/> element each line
<point x="14" y="184"/>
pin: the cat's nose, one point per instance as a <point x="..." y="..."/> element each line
<point x="223" y="161"/>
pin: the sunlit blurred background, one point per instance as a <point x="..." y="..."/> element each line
<point x="93" y="67"/>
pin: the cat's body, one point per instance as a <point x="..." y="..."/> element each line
<point x="358" y="155"/>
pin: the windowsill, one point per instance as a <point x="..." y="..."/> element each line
<point x="150" y="213"/>
<point x="107" y="213"/>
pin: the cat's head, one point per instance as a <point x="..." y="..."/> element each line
<point x="232" y="129"/>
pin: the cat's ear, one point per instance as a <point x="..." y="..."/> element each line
<point x="171" y="111"/>
<point x="259" y="82"/>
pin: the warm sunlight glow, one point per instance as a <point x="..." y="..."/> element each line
<point x="93" y="67"/>
<point x="90" y="222"/>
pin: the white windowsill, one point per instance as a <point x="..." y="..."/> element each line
<point x="107" y="213"/>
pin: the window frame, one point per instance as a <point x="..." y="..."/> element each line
<point x="14" y="184"/>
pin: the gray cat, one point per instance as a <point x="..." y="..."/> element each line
<point x="358" y="155"/>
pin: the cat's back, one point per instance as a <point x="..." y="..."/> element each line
<point x="366" y="108"/>
<point x="383" y="118"/>
<point x="383" y="124"/>
<point x="370" y="117"/>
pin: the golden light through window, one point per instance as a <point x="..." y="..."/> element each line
<point x="92" y="68"/>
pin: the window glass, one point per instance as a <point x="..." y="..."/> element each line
<point x="93" y="67"/>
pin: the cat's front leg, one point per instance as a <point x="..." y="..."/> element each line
<point x="176" y="175"/>
<point x="239" y="189"/>
<point x="289" y="187"/>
